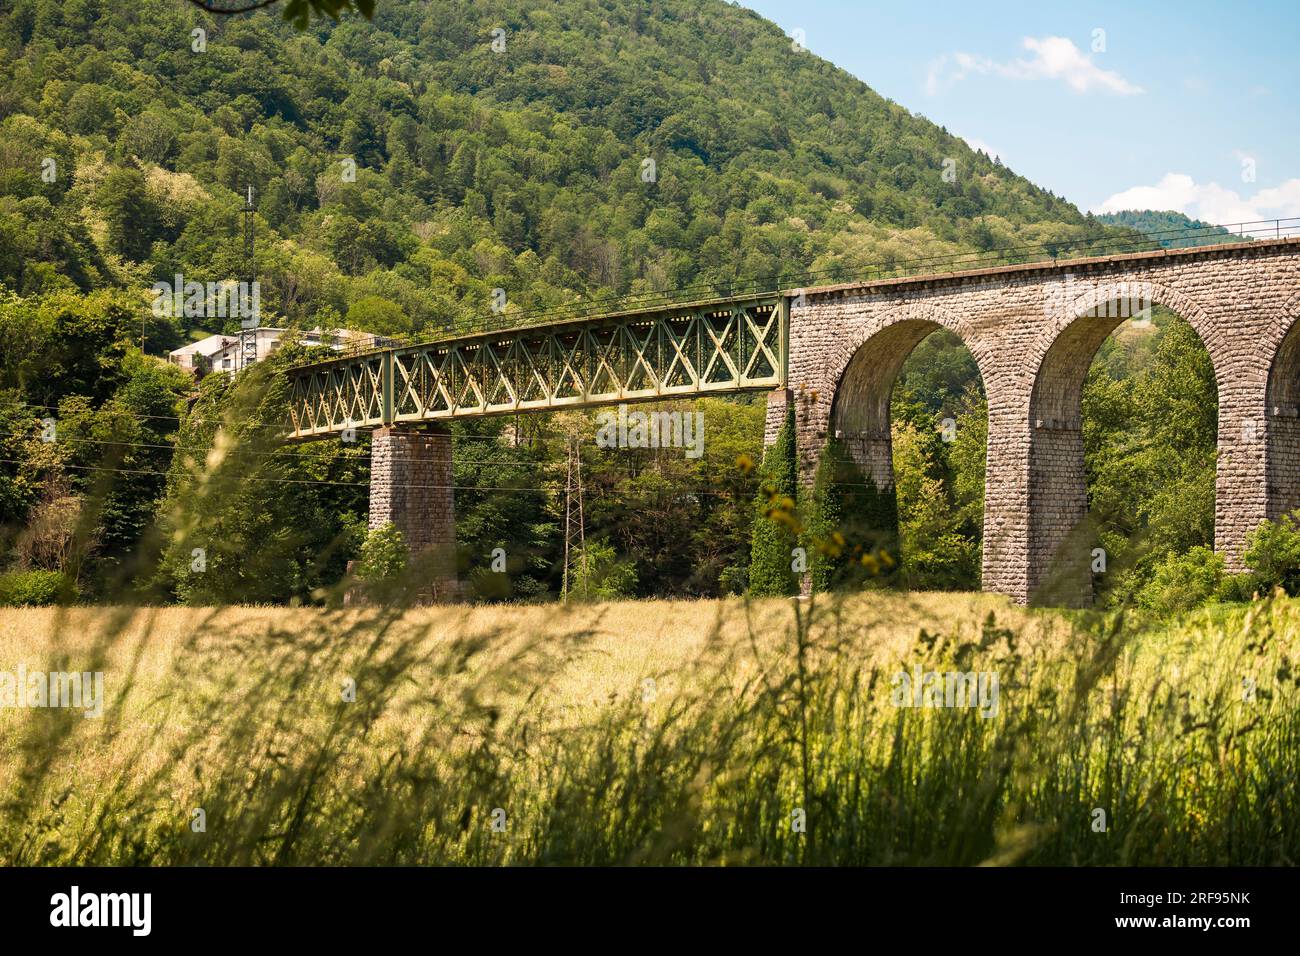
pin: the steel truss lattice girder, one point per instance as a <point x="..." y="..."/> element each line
<point x="730" y="346"/>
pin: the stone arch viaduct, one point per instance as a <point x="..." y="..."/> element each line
<point x="1033" y="331"/>
<point x="835" y="351"/>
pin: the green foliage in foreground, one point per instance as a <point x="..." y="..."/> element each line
<point x="1152" y="726"/>
<point x="383" y="554"/>
<point x="770" y="557"/>
<point x="1197" y="578"/>
<point x="301" y="12"/>
<point x="1184" y="581"/>
<point x="850" y="520"/>
<point x="599" y="575"/>
<point x="21" y="588"/>
<point x="1273" y="553"/>
<point x="382" y="558"/>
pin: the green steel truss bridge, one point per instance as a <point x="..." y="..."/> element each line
<point x="729" y="345"/>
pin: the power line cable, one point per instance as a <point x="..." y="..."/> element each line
<point x="697" y="492"/>
<point x="282" y="454"/>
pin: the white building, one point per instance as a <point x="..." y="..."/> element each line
<point x="221" y="353"/>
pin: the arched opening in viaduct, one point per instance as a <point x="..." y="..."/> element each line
<point x="1283" y="426"/>
<point x="1123" y="426"/>
<point x="910" y="413"/>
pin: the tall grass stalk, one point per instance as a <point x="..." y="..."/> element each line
<point x="464" y="746"/>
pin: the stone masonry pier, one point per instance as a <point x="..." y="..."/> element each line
<point x="411" y="486"/>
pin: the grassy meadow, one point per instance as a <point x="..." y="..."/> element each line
<point x="673" y="732"/>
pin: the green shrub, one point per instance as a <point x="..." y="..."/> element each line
<point x="770" y="554"/>
<point x="19" y="588"/>
<point x="1273" y="553"/>
<point x="734" y="579"/>
<point x="597" y="574"/>
<point x="944" y="560"/>
<point x="1242" y="587"/>
<point x="383" y="555"/>
<point x="851" y="521"/>
<point x="1183" y="581"/>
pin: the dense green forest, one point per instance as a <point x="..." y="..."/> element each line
<point x="1172" y="230"/>
<point x="404" y="170"/>
<point x="526" y="169"/>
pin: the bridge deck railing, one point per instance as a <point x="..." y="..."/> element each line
<point x="707" y="293"/>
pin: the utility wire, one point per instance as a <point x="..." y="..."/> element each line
<point x="289" y="454"/>
<point x="283" y="454"/>
<point x="213" y="421"/>
<point x="697" y="492"/>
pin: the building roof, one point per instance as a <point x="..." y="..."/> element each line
<point x="210" y="345"/>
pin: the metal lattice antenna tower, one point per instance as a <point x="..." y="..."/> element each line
<point x="248" y="322"/>
<point x="573" y="517"/>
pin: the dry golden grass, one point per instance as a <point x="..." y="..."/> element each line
<point x="610" y="648"/>
<point x="754" y="707"/>
<point x="154" y="657"/>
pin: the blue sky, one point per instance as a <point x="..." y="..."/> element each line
<point x="1189" y="106"/>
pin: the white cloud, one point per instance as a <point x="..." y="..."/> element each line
<point x="1053" y="58"/>
<point x="1209" y="202"/>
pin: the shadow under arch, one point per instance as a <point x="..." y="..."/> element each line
<point x="860" y="416"/>
<point x="1062" y="538"/>
<point x="1282" y="429"/>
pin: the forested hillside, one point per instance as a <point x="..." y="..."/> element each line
<point x="404" y="169"/>
<point x="1172" y="230"/>
<point x="526" y="169"/>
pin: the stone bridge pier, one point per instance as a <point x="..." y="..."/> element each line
<point x="411" y="486"/>
<point x="1033" y="331"/>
